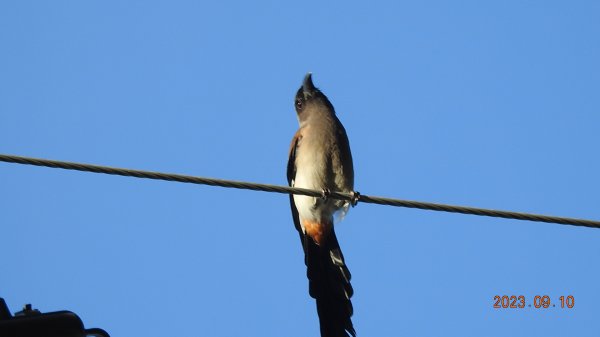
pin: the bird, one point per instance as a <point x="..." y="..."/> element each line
<point x="320" y="159"/>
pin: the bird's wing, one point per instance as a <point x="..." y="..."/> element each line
<point x="291" y="175"/>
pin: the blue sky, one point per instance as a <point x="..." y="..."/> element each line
<point x="492" y="105"/>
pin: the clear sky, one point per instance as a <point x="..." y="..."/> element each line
<point x="493" y="105"/>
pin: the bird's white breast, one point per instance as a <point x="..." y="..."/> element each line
<point x="311" y="174"/>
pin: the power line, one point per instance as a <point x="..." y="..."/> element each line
<point x="351" y="197"/>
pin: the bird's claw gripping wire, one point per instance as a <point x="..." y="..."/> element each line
<point x="354" y="198"/>
<point x="325" y="193"/>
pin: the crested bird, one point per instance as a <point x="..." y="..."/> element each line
<point x="320" y="159"/>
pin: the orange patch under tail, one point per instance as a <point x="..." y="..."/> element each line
<point x="317" y="231"/>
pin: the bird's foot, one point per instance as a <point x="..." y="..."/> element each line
<point x="354" y="198"/>
<point x="325" y="193"/>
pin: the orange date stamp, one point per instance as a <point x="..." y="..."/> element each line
<point x="539" y="302"/>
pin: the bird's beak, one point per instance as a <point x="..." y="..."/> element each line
<point x="307" y="84"/>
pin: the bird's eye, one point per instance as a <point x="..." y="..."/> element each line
<point x="298" y="104"/>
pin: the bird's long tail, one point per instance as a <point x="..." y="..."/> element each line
<point x="329" y="284"/>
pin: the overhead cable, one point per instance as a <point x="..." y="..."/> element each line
<point x="353" y="197"/>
